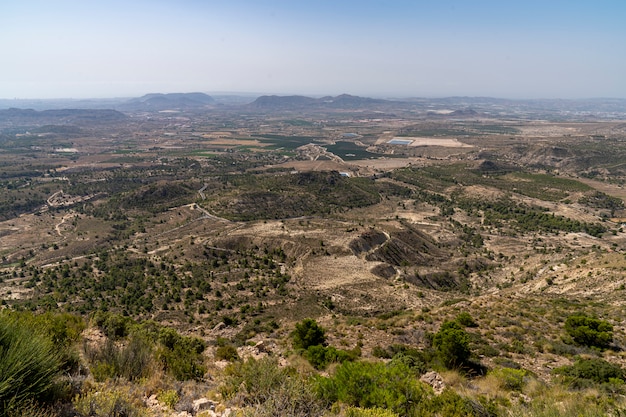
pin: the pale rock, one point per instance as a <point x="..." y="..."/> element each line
<point x="435" y="380"/>
<point x="260" y="346"/>
<point x="221" y="364"/>
<point x="203" y="404"/>
<point x="219" y="326"/>
<point x="152" y="401"/>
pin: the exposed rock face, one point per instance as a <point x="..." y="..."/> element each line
<point x="403" y="247"/>
<point x="203" y="404"/>
<point x="435" y="380"/>
<point x="367" y="241"/>
<point x="384" y="271"/>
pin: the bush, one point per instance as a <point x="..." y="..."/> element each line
<point x="294" y="397"/>
<point x="510" y="379"/>
<point x="110" y="402"/>
<point x="148" y="345"/>
<point x="114" y="326"/>
<point x="266" y="389"/>
<point x="466" y="320"/>
<point x="32" y="409"/>
<point x="374" y="384"/>
<point x="589" y="331"/>
<point x="62" y="329"/>
<point x="131" y="361"/>
<point x="259" y="378"/>
<point x="29" y="363"/>
<point x="415" y="362"/>
<point x="226" y="353"/>
<point x="451" y="404"/>
<point x="320" y="356"/>
<point x="308" y="333"/>
<point x="169" y="398"/>
<point x="369" y="412"/>
<point x="594" y="369"/>
<point x="181" y="356"/>
<point x="452" y="344"/>
<point x="379" y="389"/>
<point x="379" y="352"/>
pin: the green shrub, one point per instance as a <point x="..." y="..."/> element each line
<point x="101" y="371"/>
<point x="181" y="356"/>
<point x="294" y="397"/>
<point x="226" y="353"/>
<point x="63" y="329"/>
<point x="452" y="344"/>
<point x="510" y="379"/>
<point x="109" y="402"/>
<point x="594" y="369"/>
<point x="31" y="409"/>
<point x="379" y="352"/>
<point x="29" y="363"/>
<point x="416" y="363"/>
<point x="170" y="398"/>
<point x="268" y="390"/>
<point x="320" y="356"/>
<point x="374" y="384"/>
<point x="589" y="331"/>
<point x="114" y="326"/>
<point x="466" y="320"/>
<point x="369" y="412"/>
<point x="132" y="360"/>
<point x="379" y="389"/>
<point x="259" y="378"/>
<point x="308" y="333"/>
<point x="451" y="404"/>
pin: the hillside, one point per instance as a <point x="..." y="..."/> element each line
<point x="473" y="263"/>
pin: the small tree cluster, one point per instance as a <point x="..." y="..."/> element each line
<point x="452" y="344"/>
<point x="308" y="333"/>
<point x="310" y="339"/>
<point x="589" y="331"/>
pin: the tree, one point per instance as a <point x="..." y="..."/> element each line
<point x="452" y="344"/>
<point x="589" y="331"/>
<point x="308" y="333"/>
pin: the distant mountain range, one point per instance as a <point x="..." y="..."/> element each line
<point x="445" y="107"/>
<point x="172" y="101"/>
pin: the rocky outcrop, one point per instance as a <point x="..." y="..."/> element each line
<point x="435" y="380"/>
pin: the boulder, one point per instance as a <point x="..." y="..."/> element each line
<point x="435" y="380"/>
<point x="203" y="404"/>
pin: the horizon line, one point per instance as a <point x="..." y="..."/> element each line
<point x="259" y="94"/>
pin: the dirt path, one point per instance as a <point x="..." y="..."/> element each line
<point x="57" y="227"/>
<point x="201" y="191"/>
<point x="207" y="215"/>
<point x="50" y="200"/>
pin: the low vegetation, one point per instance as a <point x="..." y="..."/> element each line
<point x="239" y="260"/>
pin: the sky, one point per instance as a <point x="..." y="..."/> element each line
<point x="393" y="48"/>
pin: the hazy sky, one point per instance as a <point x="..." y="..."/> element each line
<point x="500" y="48"/>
